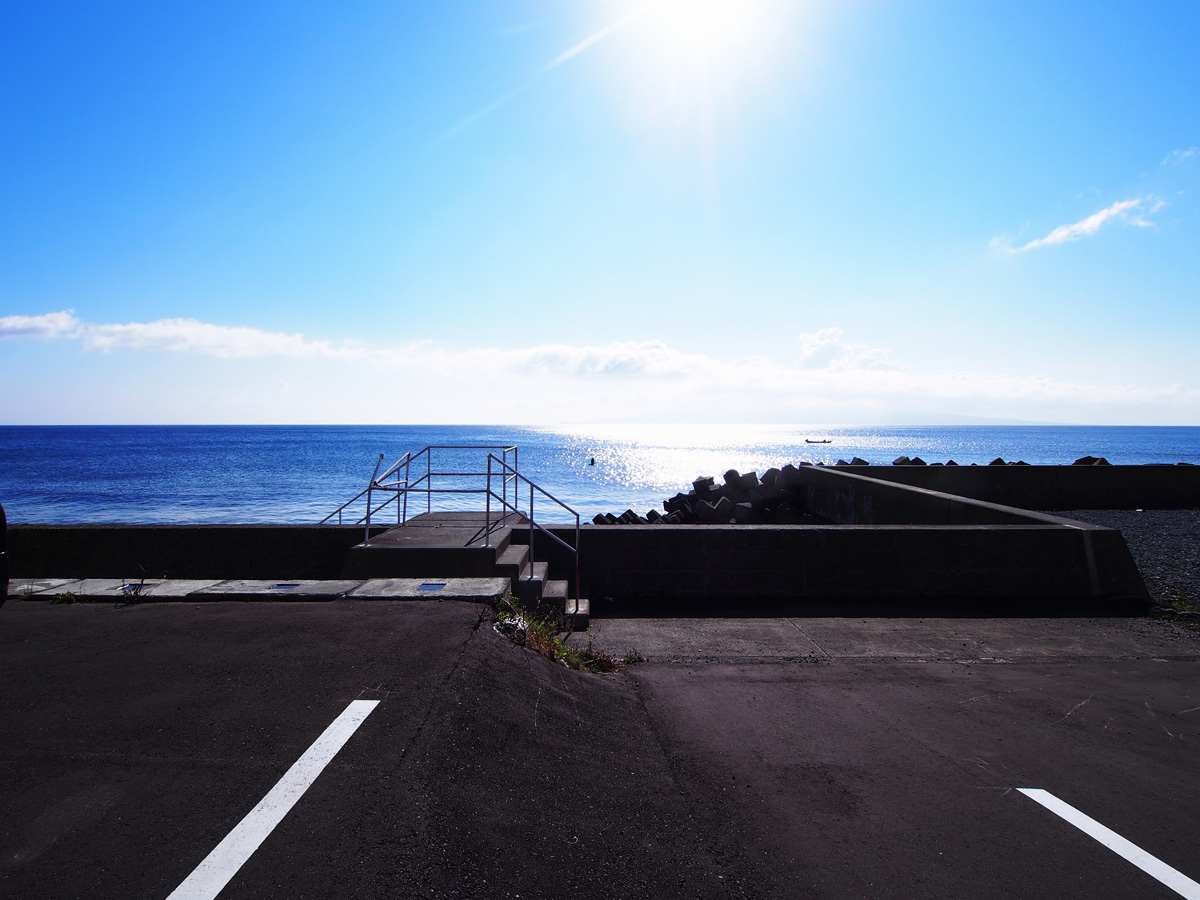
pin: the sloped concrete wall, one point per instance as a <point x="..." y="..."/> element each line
<point x="851" y="499"/>
<point x="892" y="544"/>
<point x="1054" y="487"/>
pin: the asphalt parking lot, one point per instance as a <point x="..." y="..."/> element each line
<point x="743" y="758"/>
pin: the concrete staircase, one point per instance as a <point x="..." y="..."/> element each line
<point x="452" y="545"/>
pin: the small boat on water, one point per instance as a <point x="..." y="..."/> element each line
<point x="811" y="441"/>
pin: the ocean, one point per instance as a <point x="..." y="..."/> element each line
<point x="298" y="474"/>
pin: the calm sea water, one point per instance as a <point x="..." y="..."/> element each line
<point x="301" y="473"/>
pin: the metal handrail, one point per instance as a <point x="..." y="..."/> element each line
<point x="398" y="483"/>
<point x="397" y="480"/>
<point x="412" y="486"/>
<point x="365" y="491"/>
<point x="507" y="472"/>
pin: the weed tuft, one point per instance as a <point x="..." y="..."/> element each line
<point x="541" y="635"/>
<point x="65" y="597"/>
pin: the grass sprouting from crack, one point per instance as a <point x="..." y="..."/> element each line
<point x="541" y="634"/>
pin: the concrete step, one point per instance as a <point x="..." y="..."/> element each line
<point x="555" y="591"/>
<point x="533" y="579"/>
<point x="512" y="562"/>
<point x="577" y="614"/>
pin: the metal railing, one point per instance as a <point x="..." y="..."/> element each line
<point x="507" y="472"/>
<point x="397" y="482"/>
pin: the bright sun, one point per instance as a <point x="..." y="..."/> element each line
<point x="700" y="31"/>
<point x="691" y="59"/>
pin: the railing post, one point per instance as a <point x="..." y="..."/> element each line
<point x="531" y="529"/>
<point x="429" y="481"/>
<point x="487" y="517"/>
<point x="371" y="484"/>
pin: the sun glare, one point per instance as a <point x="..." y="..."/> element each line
<point x="702" y="30"/>
<point x="694" y="61"/>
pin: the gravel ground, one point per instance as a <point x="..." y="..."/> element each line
<point x="1164" y="542"/>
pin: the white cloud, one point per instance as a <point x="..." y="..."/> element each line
<point x="827" y="349"/>
<point x="49" y="325"/>
<point x="1130" y="211"/>
<point x="621" y="359"/>
<point x="831" y="377"/>
<point x="830" y="373"/>
<point x="223" y="341"/>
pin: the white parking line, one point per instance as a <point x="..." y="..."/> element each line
<point x="208" y="878"/>
<point x="1172" y="878"/>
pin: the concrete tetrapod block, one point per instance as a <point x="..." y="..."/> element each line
<point x="299" y="589"/>
<point x="431" y="589"/>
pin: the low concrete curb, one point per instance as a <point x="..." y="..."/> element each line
<point x="430" y="589"/>
<point x="112" y="590"/>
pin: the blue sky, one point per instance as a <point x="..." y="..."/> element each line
<point x="600" y="211"/>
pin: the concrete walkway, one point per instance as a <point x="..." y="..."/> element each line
<point x="901" y="639"/>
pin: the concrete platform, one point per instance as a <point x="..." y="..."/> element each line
<point x="441" y="529"/>
<point x="430" y="545"/>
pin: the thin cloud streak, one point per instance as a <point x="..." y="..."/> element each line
<point x="1180" y="157"/>
<point x="1122" y="210"/>
<point x="571" y="52"/>
<point x="595" y="38"/>
<point x="482" y="113"/>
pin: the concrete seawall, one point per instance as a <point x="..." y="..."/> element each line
<point x="888" y="543"/>
<point x="180" y="551"/>
<point x="651" y="568"/>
